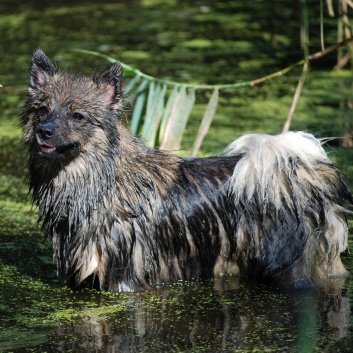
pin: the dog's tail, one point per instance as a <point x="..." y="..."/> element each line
<point x="289" y="207"/>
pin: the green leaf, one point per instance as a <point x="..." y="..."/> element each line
<point x="153" y="90"/>
<point x="139" y="90"/>
<point x="154" y="110"/>
<point x="206" y="121"/>
<point x="131" y="84"/>
<point x="159" y="110"/>
<point x="167" y="140"/>
<point x="166" y="112"/>
<point x="139" y="106"/>
<point x="178" y="118"/>
<point x="137" y="114"/>
<point x="149" y="115"/>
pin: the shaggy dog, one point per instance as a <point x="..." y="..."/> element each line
<point x="123" y="217"/>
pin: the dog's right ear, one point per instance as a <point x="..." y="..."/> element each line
<point x="110" y="85"/>
<point x="41" y="69"/>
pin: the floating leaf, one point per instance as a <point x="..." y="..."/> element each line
<point x="206" y="121"/>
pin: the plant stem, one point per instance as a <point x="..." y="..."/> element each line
<point x="297" y="94"/>
<point x="130" y="71"/>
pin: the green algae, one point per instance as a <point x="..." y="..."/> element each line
<point x="39" y="314"/>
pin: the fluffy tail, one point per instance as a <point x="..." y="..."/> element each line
<point x="290" y="207"/>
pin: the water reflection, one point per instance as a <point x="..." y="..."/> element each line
<point x="226" y="316"/>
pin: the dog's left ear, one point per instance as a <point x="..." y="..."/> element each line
<point x="110" y="84"/>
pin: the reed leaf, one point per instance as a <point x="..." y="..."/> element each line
<point x="131" y="84"/>
<point x="172" y="118"/>
<point x="178" y="118"/>
<point x="168" y="120"/>
<point x="330" y="10"/>
<point x="206" y="121"/>
<point x="322" y="35"/>
<point x="166" y="112"/>
<point x="139" y="90"/>
<point x="151" y="99"/>
<point x="138" y="108"/>
<point x="157" y="115"/>
<point x="155" y="105"/>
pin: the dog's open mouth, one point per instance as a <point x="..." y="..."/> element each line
<point x="55" y="150"/>
<point x="47" y="149"/>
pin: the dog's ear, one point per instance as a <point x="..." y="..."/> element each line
<point x="110" y="84"/>
<point x="41" y="69"/>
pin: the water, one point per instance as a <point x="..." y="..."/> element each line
<point x="169" y="39"/>
<point x="224" y="315"/>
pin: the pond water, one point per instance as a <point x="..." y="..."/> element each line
<point x="202" y="42"/>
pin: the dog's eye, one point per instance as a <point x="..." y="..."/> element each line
<point x="42" y="111"/>
<point x="77" y="116"/>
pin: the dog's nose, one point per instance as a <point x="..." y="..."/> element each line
<point x="45" y="130"/>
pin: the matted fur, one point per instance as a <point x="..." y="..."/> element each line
<point x="123" y="217"/>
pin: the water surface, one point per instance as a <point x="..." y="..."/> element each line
<point x="201" y="42"/>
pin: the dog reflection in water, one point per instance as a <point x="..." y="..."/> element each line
<point x="226" y="315"/>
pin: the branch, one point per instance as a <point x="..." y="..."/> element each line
<point x="300" y="85"/>
<point x="278" y="73"/>
<point x="297" y="94"/>
<point x="130" y="71"/>
<point x="309" y="58"/>
<point x="330" y="49"/>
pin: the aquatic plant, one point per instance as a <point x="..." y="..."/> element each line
<point x="162" y="107"/>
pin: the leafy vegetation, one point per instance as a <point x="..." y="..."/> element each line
<point x="161" y="121"/>
<point x="162" y="107"/>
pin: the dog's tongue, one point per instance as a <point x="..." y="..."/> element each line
<point x="46" y="148"/>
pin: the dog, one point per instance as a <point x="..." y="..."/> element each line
<point x="123" y="217"/>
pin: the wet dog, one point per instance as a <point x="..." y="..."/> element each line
<point x="123" y="217"/>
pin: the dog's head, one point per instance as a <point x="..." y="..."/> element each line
<point x="66" y="114"/>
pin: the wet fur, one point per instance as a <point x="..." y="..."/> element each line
<point x="123" y="217"/>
